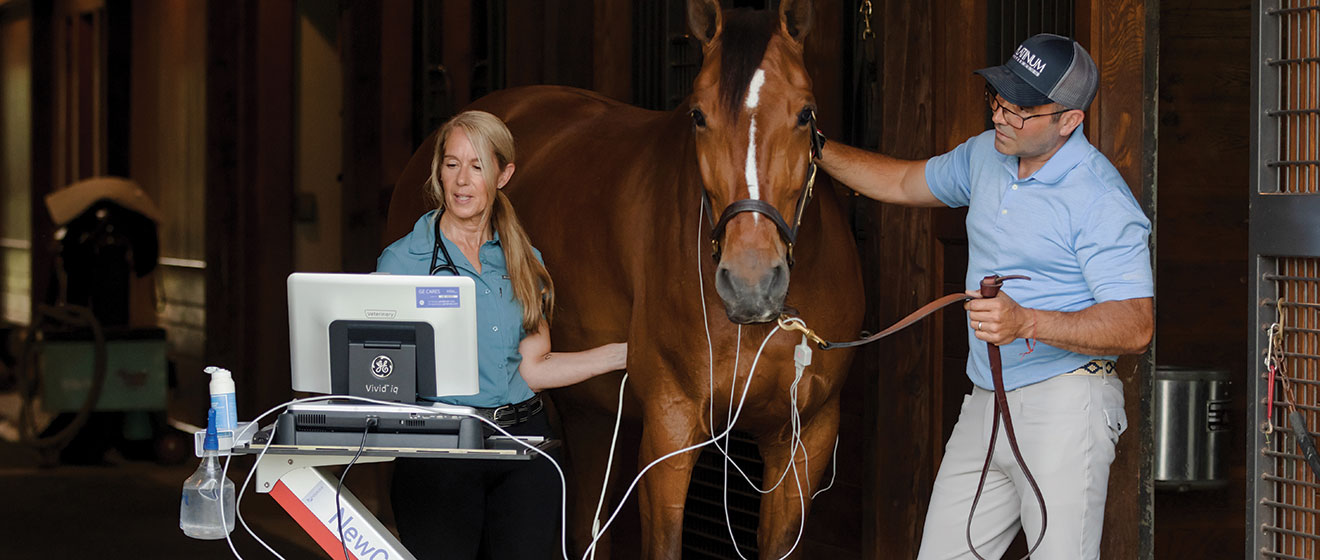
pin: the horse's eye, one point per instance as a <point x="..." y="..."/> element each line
<point x="805" y="116"/>
<point x="698" y="118"/>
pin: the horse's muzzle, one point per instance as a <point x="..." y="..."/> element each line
<point x="757" y="299"/>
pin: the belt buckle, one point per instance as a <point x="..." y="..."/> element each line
<point x="502" y="417"/>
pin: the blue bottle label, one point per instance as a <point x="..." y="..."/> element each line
<point x="226" y="414"/>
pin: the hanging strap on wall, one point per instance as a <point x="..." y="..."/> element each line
<point x="866" y="82"/>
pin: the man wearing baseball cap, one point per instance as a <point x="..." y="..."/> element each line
<point x="1044" y="203"/>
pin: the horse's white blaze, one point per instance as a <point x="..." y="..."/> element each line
<point x="753" y="99"/>
<point x="753" y="186"/>
<point x="754" y="89"/>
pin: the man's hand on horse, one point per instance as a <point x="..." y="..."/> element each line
<point x="998" y="320"/>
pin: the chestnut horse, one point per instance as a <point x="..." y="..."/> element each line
<point x="613" y="197"/>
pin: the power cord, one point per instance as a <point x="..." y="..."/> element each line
<point x="238" y="499"/>
<point x="339" y="513"/>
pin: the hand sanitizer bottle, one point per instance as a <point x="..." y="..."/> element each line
<point x="207" y="509"/>
<point x="222" y="401"/>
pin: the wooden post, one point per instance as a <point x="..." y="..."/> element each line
<point x="900" y="380"/>
<point x="249" y="195"/>
<point x="1121" y="36"/>
<point x="365" y="197"/>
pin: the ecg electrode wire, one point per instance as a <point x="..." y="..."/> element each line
<point x="676" y="452"/>
<point x="737" y="353"/>
<point x="834" y="470"/>
<point x="609" y="462"/>
<point x="795" y="420"/>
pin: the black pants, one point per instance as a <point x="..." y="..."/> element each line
<point x="474" y="508"/>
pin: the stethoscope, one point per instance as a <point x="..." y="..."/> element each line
<point x="440" y="248"/>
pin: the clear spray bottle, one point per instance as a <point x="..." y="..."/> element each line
<point x="207" y="509"/>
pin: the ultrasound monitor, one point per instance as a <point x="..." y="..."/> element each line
<point x="387" y="337"/>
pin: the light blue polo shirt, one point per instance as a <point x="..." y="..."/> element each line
<point x="499" y="315"/>
<point x="1073" y="227"/>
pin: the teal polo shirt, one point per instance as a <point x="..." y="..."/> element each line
<point x="1073" y="226"/>
<point x="499" y="315"/>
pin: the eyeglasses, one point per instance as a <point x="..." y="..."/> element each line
<point x="1013" y="119"/>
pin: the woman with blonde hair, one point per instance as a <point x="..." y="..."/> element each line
<point x="475" y="508"/>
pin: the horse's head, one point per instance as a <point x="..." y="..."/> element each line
<point x="754" y="116"/>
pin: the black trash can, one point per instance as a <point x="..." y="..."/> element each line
<point x="1191" y="427"/>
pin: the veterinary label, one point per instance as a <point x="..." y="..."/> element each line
<point x="428" y="298"/>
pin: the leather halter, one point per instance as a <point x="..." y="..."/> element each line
<point x="786" y="232"/>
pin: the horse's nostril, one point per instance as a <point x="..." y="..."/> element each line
<point x="723" y="280"/>
<point x="775" y="280"/>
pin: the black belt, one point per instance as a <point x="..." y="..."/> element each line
<point x="513" y="414"/>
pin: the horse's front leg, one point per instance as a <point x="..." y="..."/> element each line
<point x="784" y="509"/>
<point x="669" y="424"/>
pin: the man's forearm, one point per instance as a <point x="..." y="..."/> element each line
<point x="878" y="176"/>
<point x="1107" y="328"/>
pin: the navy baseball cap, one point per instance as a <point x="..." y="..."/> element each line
<point x="1046" y="68"/>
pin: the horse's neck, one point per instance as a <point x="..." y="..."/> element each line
<point x="690" y="196"/>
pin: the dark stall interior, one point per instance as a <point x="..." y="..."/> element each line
<point x="242" y="141"/>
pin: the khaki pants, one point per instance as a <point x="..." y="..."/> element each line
<point x="1066" y="428"/>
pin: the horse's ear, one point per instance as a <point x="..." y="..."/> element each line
<point x="704" y="19"/>
<point x="795" y="17"/>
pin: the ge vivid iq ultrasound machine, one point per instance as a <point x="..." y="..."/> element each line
<point x="386" y="338"/>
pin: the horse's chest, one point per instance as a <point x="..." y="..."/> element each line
<point x="768" y="394"/>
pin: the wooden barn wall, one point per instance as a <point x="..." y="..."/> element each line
<point x="363" y="187"/>
<point x="835" y="526"/>
<point x="611" y="52"/>
<point x="249" y="194"/>
<point x="376" y="50"/>
<point x="1120" y="35"/>
<point x="1204" y="135"/>
<point x="895" y="245"/>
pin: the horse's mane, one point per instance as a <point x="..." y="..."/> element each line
<point x="744" y="37"/>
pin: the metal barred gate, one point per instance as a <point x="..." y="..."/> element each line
<point x="1283" y="493"/>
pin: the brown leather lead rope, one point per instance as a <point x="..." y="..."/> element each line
<point x="788" y="322"/>
<point x="990" y="288"/>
